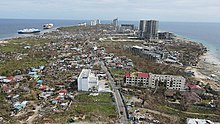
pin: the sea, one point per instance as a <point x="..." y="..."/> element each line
<point x="203" y="32"/>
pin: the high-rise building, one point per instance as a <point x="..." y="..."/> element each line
<point x="115" y="22"/>
<point x="95" y="22"/>
<point x="148" y="29"/>
<point x="98" y="22"/>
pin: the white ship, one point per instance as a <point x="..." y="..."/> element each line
<point x="47" y="26"/>
<point x="28" y="31"/>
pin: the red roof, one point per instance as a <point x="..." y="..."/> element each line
<point x="143" y="75"/>
<point x="42" y="87"/>
<point x="193" y="86"/>
<point x="11" y="78"/>
<point x="62" y="91"/>
<point x="57" y="98"/>
<point x="127" y="74"/>
<point x="139" y="74"/>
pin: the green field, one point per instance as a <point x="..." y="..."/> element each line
<point x="93" y="113"/>
<point x="102" y="97"/>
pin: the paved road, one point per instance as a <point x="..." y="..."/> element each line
<point x="118" y="99"/>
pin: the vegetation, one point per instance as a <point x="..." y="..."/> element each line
<point x="4" y="107"/>
<point x="141" y="64"/>
<point x="7" y="68"/>
<point x="92" y="111"/>
<point x="119" y="73"/>
<point x="102" y="97"/>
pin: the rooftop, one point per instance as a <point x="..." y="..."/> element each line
<point x="137" y="74"/>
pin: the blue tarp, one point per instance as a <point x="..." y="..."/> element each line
<point x="32" y="73"/>
<point x="40" y="81"/>
<point x="54" y="102"/>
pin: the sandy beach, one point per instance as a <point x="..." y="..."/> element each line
<point x="208" y="70"/>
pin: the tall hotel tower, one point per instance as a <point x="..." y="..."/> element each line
<point x="148" y="29"/>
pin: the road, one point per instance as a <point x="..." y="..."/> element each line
<point x="118" y="99"/>
<point x="31" y="118"/>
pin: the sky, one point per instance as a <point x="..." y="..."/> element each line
<point x="163" y="10"/>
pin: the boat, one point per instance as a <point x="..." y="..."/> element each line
<point x="47" y="26"/>
<point x="28" y="31"/>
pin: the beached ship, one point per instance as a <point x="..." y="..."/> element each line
<point x="47" y="26"/>
<point x="28" y="31"/>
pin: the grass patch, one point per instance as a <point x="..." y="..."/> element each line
<point x="169" y="110"/>
<point x="119" y="73"/>
<point x="128" y="97"/>
<point x="7" y="68"/>
<point x="4" y="107"/>
<point x="200" y="110"/>
<point x="192" y="113"/>
<point x="11" y="48"/>
<point x="92" y="111"/>
<point x="103" y="97"/>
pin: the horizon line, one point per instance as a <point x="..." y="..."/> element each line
<point x="109" y="20"/>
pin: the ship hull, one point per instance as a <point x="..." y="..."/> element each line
<point x="28" y="32"/>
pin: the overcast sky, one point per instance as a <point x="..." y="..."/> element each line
<point x="163" y="10"/>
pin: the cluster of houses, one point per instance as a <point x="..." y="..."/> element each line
<point x="156" y="53"/>
<point x="119" y="62"/>
<point x="139" y="117"/>
<point x="54" y="84"/>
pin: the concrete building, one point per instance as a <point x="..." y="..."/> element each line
<point x="152" y="80"/>
<point x="98" y="22"/>
<point x="87" y="81"/>
<point x="165" y="35"/>
<point x="148" y="29"/>
<point x="170" y="81"/>
<point x="137" y="79"/>
<point x="95" y="22"/>
<point x="127" y="27"/>
<point x="199" y="121"/>
<point x="115" y="22"/>
<point x="150" y="53"/>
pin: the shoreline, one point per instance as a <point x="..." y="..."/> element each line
<point x="15" y="36"/>
<point x="207" y="70"/>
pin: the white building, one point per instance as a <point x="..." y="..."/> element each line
<point x="172" y="82"/>
<point x="95" y="22"/>
<point x="137" y="79"/>
<point x="153" y="80"/>
<point x="199" y="121"/>
<point x="87" y="81"/>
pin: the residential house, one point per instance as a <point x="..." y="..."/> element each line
<point x="196" y="88"/>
